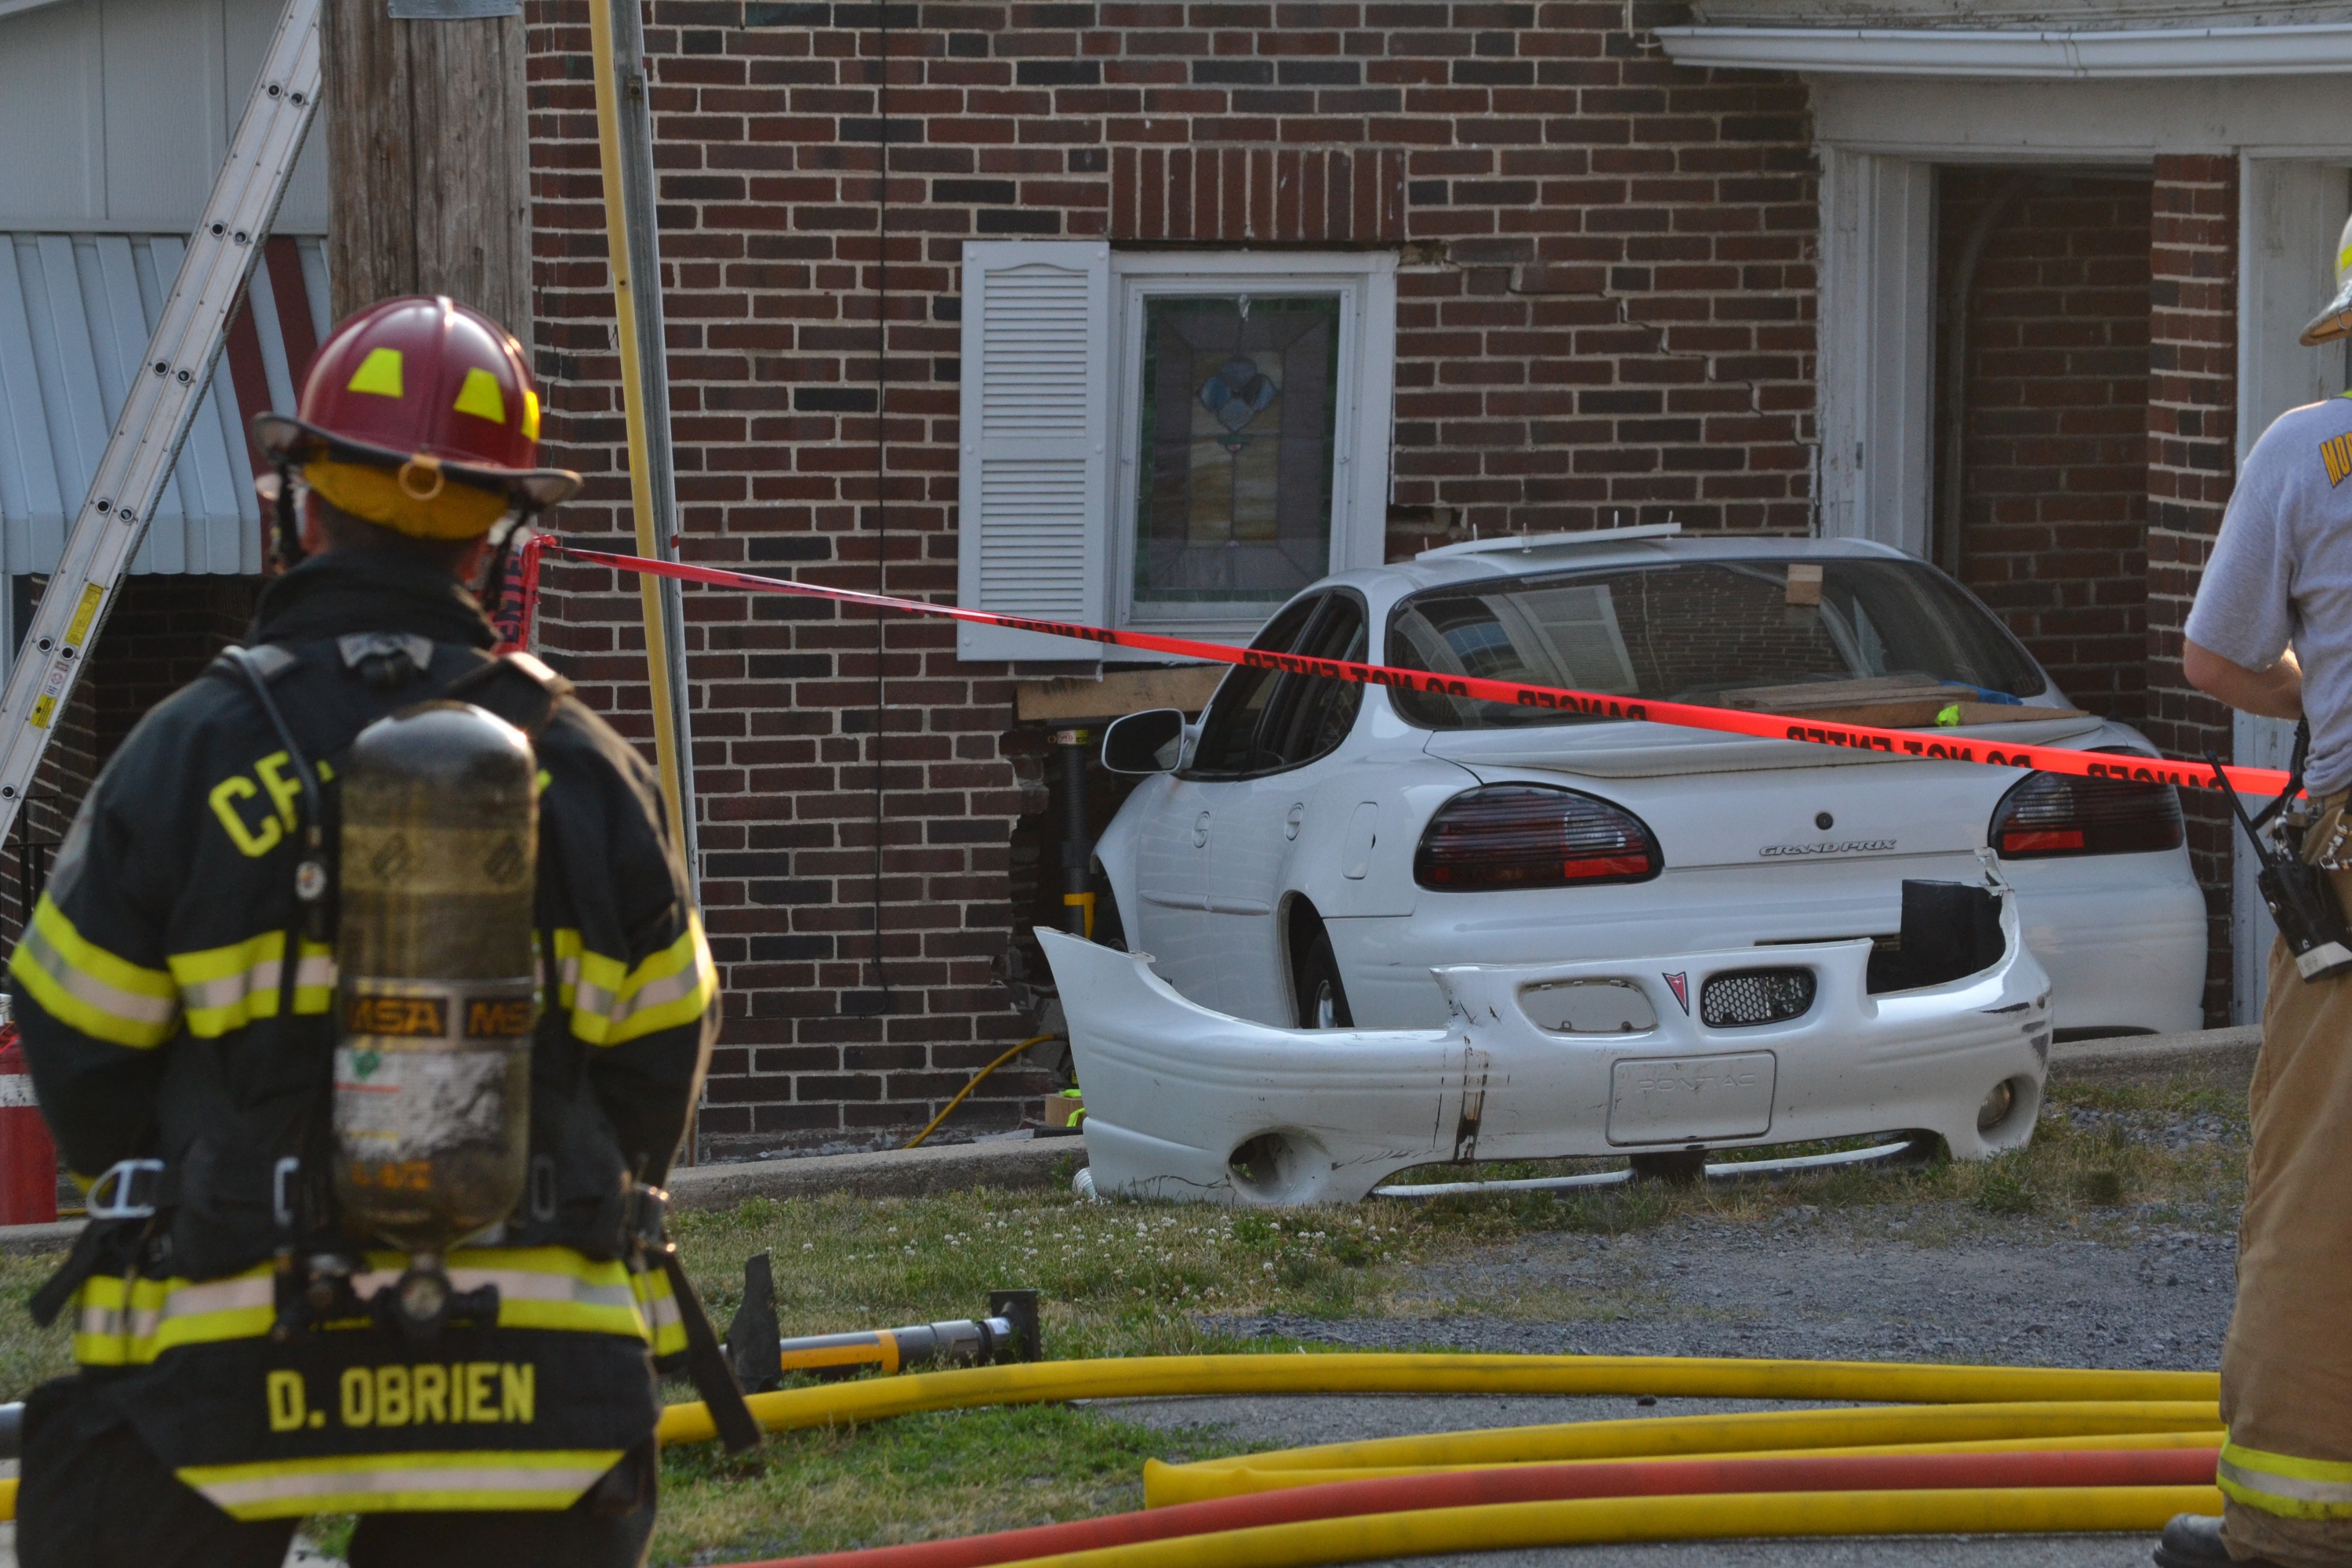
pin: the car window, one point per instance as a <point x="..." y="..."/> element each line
<point x="1261" y="721"/>
<point x="1309" y="715"/>
<point x="1229" y="730"/>
<point x="1703" y="632"/>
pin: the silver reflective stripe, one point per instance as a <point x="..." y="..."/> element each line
<point x="261" y="980"/>
<point x="43" y="955"/>
<point x="2268" y="1483"/>
<point x="184" y="1301"/>
<point x="514" y="1284"/>
<point x="567" y="1480"/>
<point x="661" y="993"/>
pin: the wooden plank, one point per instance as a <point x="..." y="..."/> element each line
<point x="1119" y="693"/>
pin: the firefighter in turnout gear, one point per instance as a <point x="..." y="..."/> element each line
<point x="2271" y="633"/>
<point x="251" y="1348"/>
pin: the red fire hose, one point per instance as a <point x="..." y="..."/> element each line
<point x="1545" y="1483"/>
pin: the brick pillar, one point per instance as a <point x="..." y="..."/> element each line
<point x="2192" y="404"/>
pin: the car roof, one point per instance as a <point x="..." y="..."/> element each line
<point x="1554" y="554"/>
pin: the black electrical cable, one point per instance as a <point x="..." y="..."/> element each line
<point x="881" y="456"/>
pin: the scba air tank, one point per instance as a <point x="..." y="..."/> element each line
<point x="432" y="1096"/>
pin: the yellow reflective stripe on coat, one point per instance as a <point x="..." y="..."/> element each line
<point x="2284" y="1485"/>
<point x="115" y="1327"/>
<point x="660" y="1306"/>
<point x="538" y="1288"/>
<point x="399" y="1483"/>
<point x="85" y="987"/>
<point x="611" y="1004"/>
<point x="225" y="988"/>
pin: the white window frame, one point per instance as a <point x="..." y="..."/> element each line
<point x="1366" y="284"/>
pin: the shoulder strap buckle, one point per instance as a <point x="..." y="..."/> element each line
<point x="120" y="1193"/>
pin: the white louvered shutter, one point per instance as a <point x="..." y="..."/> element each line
<point x="1035" y="434"/>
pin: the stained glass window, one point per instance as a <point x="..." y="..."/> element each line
<point x="1240" y="411"/>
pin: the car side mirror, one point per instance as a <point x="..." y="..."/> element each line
<point x="1145" y="742"/>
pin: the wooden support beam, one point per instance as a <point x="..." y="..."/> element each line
<point x="428" y="161"/>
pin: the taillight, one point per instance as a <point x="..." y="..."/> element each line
<point x="1524" y="836"/>
<point x="2050" y="814"/>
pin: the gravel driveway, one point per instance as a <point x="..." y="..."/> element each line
<point x="1815" y="1285"/>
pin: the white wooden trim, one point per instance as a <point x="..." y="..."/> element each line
<point x="2311" y="49"/>
<point x="2289" y="214"/>
<point x="1877" y="348"/>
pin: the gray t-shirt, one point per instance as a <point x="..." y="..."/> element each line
<point x="2282" y="575"/>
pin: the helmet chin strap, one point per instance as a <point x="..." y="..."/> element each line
<point x="290" y="552"/>
<point x="493" y="595"/>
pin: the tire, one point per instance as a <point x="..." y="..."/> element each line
<point x="1316" y="988"/>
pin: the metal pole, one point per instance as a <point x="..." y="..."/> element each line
<point x="625" y="145"/>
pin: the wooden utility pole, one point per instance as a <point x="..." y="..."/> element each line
<point x="428" y="160"/>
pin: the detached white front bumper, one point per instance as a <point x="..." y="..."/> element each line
<point x="1183" y="1102"/>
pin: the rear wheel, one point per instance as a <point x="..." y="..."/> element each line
<point x="1321" y="999"/>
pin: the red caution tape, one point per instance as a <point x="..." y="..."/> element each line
<point x="1682" y="715"/>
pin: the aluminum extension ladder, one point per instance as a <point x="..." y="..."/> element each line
<point x="162" y="402"/>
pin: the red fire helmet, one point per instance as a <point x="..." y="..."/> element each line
<point x="430" y="389"/>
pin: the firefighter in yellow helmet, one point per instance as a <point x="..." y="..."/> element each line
<point x="2271" y="633"/>
<point x="251" y="1349"/>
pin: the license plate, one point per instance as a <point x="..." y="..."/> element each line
<point x="1687" y="1100"/>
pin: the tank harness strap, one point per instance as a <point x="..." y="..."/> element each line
<point x="303" y="1208"/>
<point x="515" y="686"/>
<point x="705" y="1364"/>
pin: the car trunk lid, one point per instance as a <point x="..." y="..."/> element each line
<point x="1793" y="804"/>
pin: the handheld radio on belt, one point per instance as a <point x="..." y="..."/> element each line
<point x="2300" y="895"/>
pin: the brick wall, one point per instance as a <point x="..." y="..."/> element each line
<point x="163" y="632"/>
<point x="2192" y="465"/>
<point x="2055" y="471"/>
<point x="1606" y="310"/>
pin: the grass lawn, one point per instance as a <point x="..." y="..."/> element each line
<point x="1135" y="1279"/>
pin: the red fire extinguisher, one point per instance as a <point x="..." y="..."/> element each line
<point x="28" y="1160"/>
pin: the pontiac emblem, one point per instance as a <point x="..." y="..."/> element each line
<point x="1680" y="985"/>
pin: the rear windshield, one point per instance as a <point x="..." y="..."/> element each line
<point x="1719" y="633"/>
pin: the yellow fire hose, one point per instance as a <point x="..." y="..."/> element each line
<point x="1165" y="1484"/>
<point x="1976" y="1409"/>
<point x="1675" y="1436"/>
<point x="1590" y="1521"/>
<point x="1146" y="1377"/>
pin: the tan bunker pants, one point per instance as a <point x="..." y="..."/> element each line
<point x="2286" y="1367"/>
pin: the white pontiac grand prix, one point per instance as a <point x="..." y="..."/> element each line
<point x="1373" y="928"/>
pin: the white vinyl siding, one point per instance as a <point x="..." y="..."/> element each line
<point x="116" y="114"/>
<point x="1035" y="433"/>
<point x="76" y="312"/>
